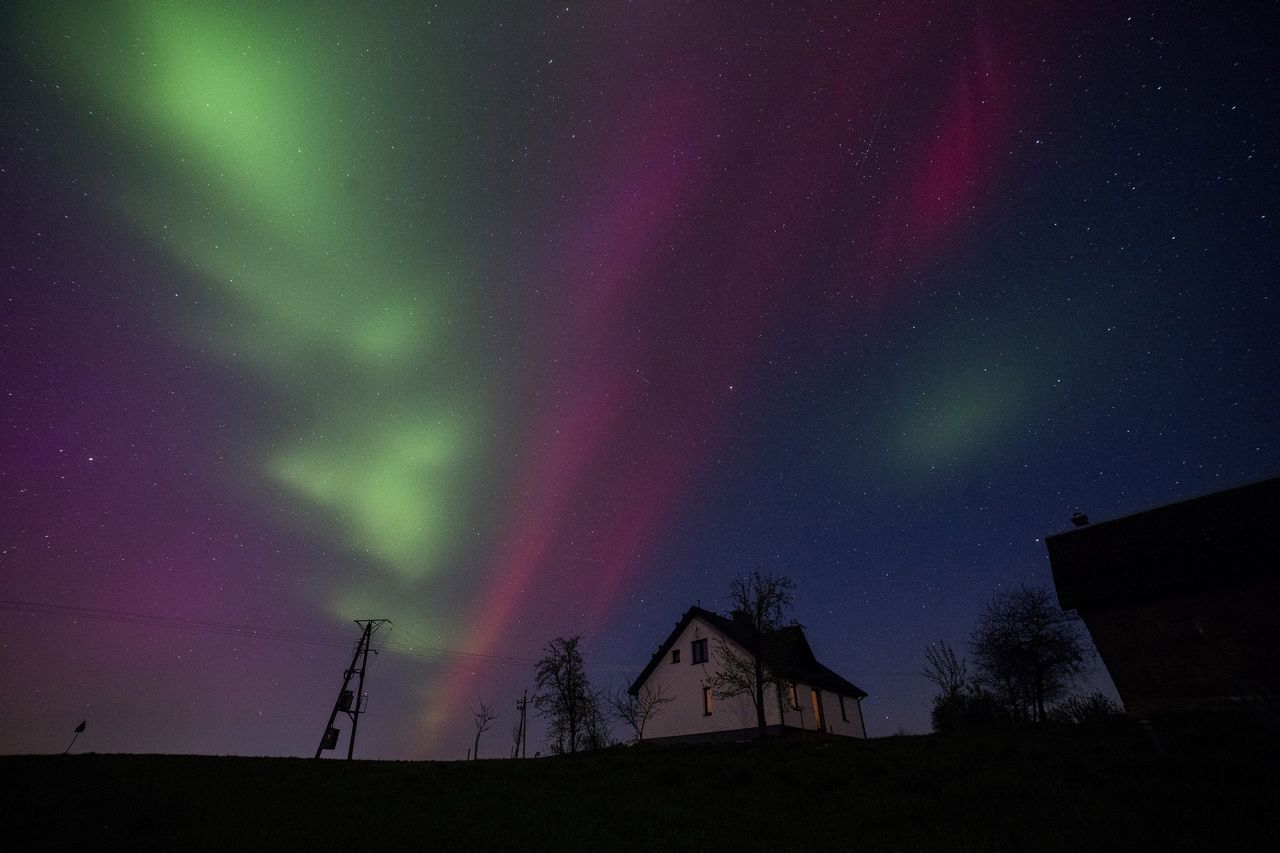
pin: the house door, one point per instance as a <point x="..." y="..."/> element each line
<point x="819" y="718"/>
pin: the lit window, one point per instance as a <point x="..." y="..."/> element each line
<point x="795" y="698"/>
<point x="699" y="651"/>
<point x="675" y="656"/>
<point x="706" y="701"/>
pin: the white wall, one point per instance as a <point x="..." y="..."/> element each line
<point x="684" y="681"/>
<point x="833" y="721"/>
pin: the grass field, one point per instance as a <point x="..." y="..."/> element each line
<point x="1204" y="787"/>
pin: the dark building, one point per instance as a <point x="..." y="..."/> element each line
<point x="1182" y="601"/>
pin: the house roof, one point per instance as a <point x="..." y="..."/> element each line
<point x="1213" y="540"/>
<point x="801" y="665"/>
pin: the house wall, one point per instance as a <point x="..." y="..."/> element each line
<point x="1189" y="649"/>
<point x="834" y="722"/>
<point x="684" y="682"/>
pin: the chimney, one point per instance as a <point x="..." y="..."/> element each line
<point x="1079" y="519"/>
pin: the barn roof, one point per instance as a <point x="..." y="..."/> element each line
<point x="1216" y="539"/>
<point x="800" y="663"/>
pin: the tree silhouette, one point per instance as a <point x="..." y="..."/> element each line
<point x="483" y="718"/>
<point x="949" y="673"/>
<point x="761" y="604"/>
<point x="637" y="710"/>
<point x="961" y="704"/>
<point x="596" y="733"/>
<point x="564" y="697"/>
<point x="1027" y="650"/>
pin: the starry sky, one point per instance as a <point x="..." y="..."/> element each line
<point x="509" y="321"/>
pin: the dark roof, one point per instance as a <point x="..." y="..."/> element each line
<point x="1222" y="538"/>
<point x="801" y="664"/>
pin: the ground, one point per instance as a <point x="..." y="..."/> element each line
<point x="1110" y="786"/>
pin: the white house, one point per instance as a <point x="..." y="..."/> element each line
<point x="813" y="697"/>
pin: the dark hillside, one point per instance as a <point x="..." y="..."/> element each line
<point x="1208" y="787"/>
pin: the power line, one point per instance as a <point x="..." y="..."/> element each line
<point x="419" y="649"/>
<point x="175" y="623"/>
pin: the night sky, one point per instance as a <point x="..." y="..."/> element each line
<point x="513" y="320"/>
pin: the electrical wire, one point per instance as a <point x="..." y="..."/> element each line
<point x="175" y="623"/>
<point x="414" y="648"/>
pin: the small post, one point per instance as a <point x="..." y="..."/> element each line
<point x="79" y="731"/>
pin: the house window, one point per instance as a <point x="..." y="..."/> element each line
<point x="843" y="714"/>
<point x="818" y="719"/>
<point x="795" y="698"/>
<point x="699" y="651"/>
<point x="675" y="656"/>
<point x="706" y="700"/>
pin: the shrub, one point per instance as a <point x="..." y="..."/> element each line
<point x="967" y="712"/>
<point x="1085" y="709"/>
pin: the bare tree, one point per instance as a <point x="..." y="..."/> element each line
<point x="949" y="673"/>
<point x="636" y="710"/>
<point x="1028" y="650"/>
<point x="596" y="732"/>
<point x="483" y="718"/>
<point x="761" y="604"/>
<point x="961" y="703"/>
<point x="564" y="697"/>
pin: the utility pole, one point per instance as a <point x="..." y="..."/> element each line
<point x="351" y="705"/>
<point x="522" y="736"/>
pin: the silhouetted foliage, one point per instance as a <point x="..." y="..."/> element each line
<point x="565" y="698"/>
<point x="1089" y="708"/>
<point x="944" y="669"/>
<point x="960" y="705"/>
<point x="969" y="711"/>
<point x="761" y="603"/>
<point x="1027" y="651"/>
<point x="636" y="711"/>
<point x="483" y="719"/>
<point x="596" y="732"/>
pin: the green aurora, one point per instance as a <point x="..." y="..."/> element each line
<point x="340" y="276"/>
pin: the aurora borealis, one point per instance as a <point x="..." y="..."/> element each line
<point x="509" y="321"/>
